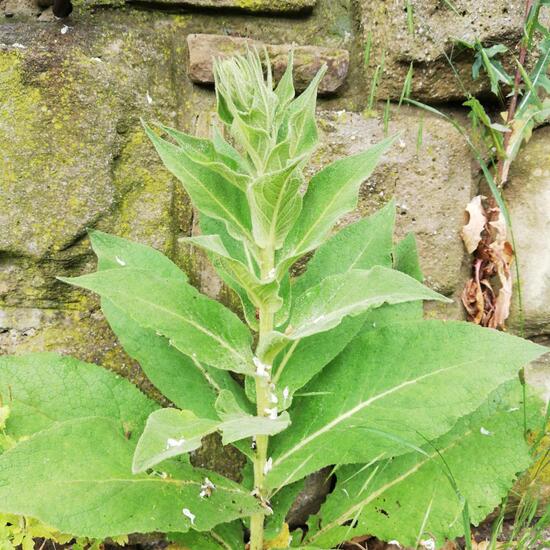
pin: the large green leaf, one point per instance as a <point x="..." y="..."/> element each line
<point x="115" y="253"/>
<point x="171" y="432"/>
<point x="390" y="385"/>
<point x="77" y="477"/>
<point x="186" y="382"/>
<point x="392" y="499"/>
<point x="323" y="306"/>
<point x="360" y="245"/>
<point x="331" y="193"/>
<point x="183" y="380"/>
<point x="43" y="389"/>
<point x="210" y="192"/>
<point x="196" y="325"/>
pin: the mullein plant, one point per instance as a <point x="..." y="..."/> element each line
<point x="422" y="421"/>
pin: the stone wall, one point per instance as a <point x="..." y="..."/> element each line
<point x="73" y="154"/>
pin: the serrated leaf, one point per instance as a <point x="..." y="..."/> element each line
<point x="261" y="293"/>
<point x="171" y="432"/>
<point x="483" y="453"/>
<point x="210" y="192"/>
<point x="323" y="306"/>
<point x="331" y="193"/>
<point x="194" y="324"/>
<point x="422" y="378"/>
<point x="87" y="462"/>
<point x="43" y="389"/>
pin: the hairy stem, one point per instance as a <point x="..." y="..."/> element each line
<point x="263" y="403"/>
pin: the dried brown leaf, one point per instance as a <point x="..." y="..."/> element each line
<point x="472" y="231"/>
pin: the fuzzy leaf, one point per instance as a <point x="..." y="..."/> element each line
<point x="43" y="389"/>
<point x="331" y="193"/>
<point x="186" y="382"/>
<point x="196" y="325"/>
<point x="422" y="378"/>
<point x="87" y="463"/>
<point x="360" y="245"/>
<point x="259" y="292"/>
<point x="276" y="204"/>
<point x="115" y="252"/>
<point x="323" y="306"/>
<point x="210" y="192"/>
<point x="391" y="499"/>
<point x="171" y="432"/>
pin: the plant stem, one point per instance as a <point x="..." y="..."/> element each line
<point x="263" y="402"/>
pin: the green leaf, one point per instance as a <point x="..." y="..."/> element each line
<point x="260" y="293"/>
<point x="43" y="389"/>
<point x="204" y="152"/>
<point x="196" y="325"/>
<point x="183" y="380"/>
<point x="331" y="193"/>
<point x="392" y="499"/>
<point x="186" y="382"/>
<point x="285" y="89"/>
<point x="421" y="378"/>
<point x="405" y="257"/>
<point x="227" y="536"/>
<point x="360" y="245"/>
<point x="276" y="204"/>
<point x="300" y="122"/>
<point x="210" y="192"/>
<point x="237" y="425"/>
<point x="323" y="306"/>
<point x="281" y="503"/>
<point x="170" y="432"/>
<point x="87" y="463"/>
<point x="115" y="253"/>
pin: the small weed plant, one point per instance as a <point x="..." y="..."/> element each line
<point x="417" y="418"/>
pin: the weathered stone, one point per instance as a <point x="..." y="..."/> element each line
<point x="431" y="45"/>
<point x="261" y="6"/>
<point x="21" y="8"/>
<point x="204" y="48"/>
<point x="528" y="199"/>
<point x="431" y="182"/>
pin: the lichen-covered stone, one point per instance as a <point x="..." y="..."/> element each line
<point x="528" y="198"/>
<point x="263" y="6"/>
<point x="430" y="179"/>
<point x="428" y="40"/>
<point x="204" y="48"/>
